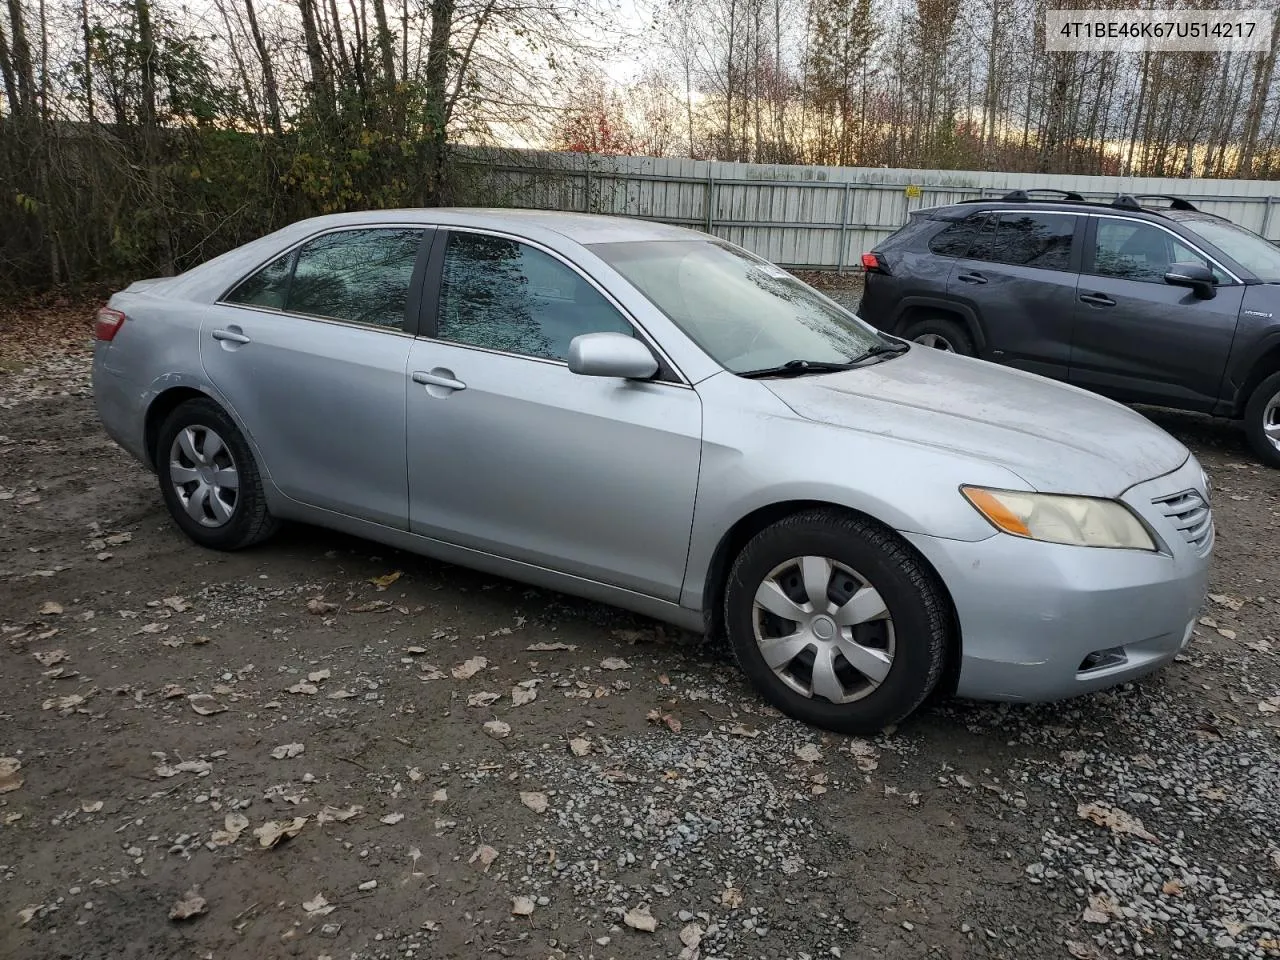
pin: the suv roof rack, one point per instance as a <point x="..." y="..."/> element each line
<point x="1123" y="201"/>
<point x="1024" y="196"/>
<point x="1175" y="203"/>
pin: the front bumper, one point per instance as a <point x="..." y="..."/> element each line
<point x="1043" y="621"/>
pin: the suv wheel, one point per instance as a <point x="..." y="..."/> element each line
<point x="945" y="335"/>
<point x="1262" y="420"/>
<point x="209" y="479"/>
<point x="836" y="621"/>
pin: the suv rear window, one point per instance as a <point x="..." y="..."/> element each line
<point x="954" y="241"/>
<point x="1027" y="239"/>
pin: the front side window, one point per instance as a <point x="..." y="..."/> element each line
<point x="1259" y="256"/>
<point x="1027" y="239"/>
<point x="361" y="276"/>
<point x="501" y="294"/>
<point x="744" y="312"/>
<point x="1133" y="250"/>
<point x="955" y="240"/>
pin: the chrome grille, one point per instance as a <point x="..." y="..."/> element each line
<point x="1191" y="516"/>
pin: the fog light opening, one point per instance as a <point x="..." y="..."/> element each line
<point x="1101" y="659"/>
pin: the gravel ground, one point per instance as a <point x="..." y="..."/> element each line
<point x="324" y="748"/>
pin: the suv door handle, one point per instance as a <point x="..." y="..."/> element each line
<point x="233" y="336"/>
<point x="437" y="380"/>
<point x="1097" y="299"/>
<point x="971" y="278"/>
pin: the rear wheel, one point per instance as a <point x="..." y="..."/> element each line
<point x="1262" y="420"/>
<point x="940" y="334"/>
<point x="836" y="621"/>
<point x="209" y="479"/>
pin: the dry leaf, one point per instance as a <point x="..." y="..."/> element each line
<point x="287" y="751"/>
<point x="172" y="691"/>
<point x="522" y="695"/>
<point x="544" y="647"/>
<point x="176" y="604"/>
<point x="319" y="676"/>
<point x="1083" y="951"/>
<point x="639" y="918"/>
<point x="1116" y="820"/>
<point x="1224" y="600"/>
<point x="534" y="800"/>
<point x="273" y="832"/>
<point x="738" y="730"/>
<point x="691" y="935"/>
<point x="657" y="716"/>
<point x="614" y="663"/>
<point x="47" y="658"/>
<point x="115" y="539"/>
<point x="90" y="806"/>
<point x="485" y="854"/>
<point x="1172" y="888"/>
<point x="319" y="605"/>
<point x="483" y="699"/>
<point x="317" y="906"/>
<point x="580" y="746"/>
<point x="204" y="704"/>
<point x="469" y="668"/>
<point x="191" y="905"/>
<point x="233" y="825"/>
<point x="731" y="897"/>
<point x="27" y="914"/>
<point x="497" y="729"/>
<point x="329" y="814"/>
<point x="386" y="579"/>
<point x="69" y="702"/>
<point x="1229" y="634"/>
<point x="440" y="796"/>
<point x="1269" y="705"/>
<point x="373" y="606"/>
<point x="304" y="688"/>
<point x="809" y="753"/>
<point x="521" y="906"/>
<point x="391" y="819"/>
<point x="9" y="778"/>
<point x="50" y="608"/>
<point x="340" y="695"/>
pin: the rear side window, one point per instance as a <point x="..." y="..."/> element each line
<point x="954" y="241"/>
<point x="1027" y="239"/>
<point x="361" y="276"/>
<point x="267" y="287"/>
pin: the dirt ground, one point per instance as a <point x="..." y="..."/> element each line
<point x="302" y="737"/>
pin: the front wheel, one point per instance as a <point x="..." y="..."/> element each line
<point x="941" y="334"/>
<point x="836" y="621"/>
<point x="209" y="479"/>
<point x="1262" y="420"/>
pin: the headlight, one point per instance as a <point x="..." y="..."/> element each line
<point x="1081" y="521"/>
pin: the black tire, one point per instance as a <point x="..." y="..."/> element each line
<point x="915" y="600"/>
<point x="949" y="335"/>
<point x="250" y="522"/>
<point x="1262" y="410"/>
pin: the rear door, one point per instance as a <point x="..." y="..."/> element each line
<point x="310" y="353"/>
<point x="1019" y="278"/>
<point x="1140" y="339"/>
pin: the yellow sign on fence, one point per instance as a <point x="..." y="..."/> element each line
<point x="914" y="192"/>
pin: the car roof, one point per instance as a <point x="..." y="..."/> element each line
<point x="584" y="228"/>
<point x="1069" y="202"/>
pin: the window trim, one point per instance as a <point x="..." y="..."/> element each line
<point x="1075" y="253"/>
<point x="1091" y="249"/>
<point x="409" y="323"/>
<point x="668" y="373"/>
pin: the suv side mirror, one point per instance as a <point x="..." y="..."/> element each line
<point x="611" y="355"/>
<point x="1194" y="275"/>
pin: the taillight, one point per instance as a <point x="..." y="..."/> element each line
<point x="873" y="263"/>
<point x="107" y="323"/>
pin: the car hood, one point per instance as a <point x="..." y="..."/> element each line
<point x="1058" y="438"/>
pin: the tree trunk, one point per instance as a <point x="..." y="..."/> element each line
<point x="21" y="54"/>
<point x="270" y="89"/>
<point x="321" y="85"/>
<point x="88" y="58"/>
<point x="8" y="73"/>
<point x="436" y="94"/>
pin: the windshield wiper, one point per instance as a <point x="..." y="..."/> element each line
<point x="882" y="350"/>
<point x="797" y="368"/>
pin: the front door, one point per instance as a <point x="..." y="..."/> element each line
<point x="512" y="454"/>
<point x="310" y="353"/>
<point x="1139" y="339"/>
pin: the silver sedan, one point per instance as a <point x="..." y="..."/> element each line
<point x="659" y="420"/>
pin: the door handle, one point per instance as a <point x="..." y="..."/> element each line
<point x="233" y="336"/>
<point x="971" y="278"/>
<point x="437" y="380"/>
<point x="1097" y="299"/>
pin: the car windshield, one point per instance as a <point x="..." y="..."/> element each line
<point x="746" y="313"/>
<point x="1258" y="256"/>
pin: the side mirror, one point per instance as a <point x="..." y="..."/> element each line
<point x="1194" y="275"/>
<point x="611" y="355"/>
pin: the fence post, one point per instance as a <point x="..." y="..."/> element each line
<point x="844" y="227"/>
<point x="586" y="200"/>
<point x="1266" y="218"/>
<point x="711" y="191"/>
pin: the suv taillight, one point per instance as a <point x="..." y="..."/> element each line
<point x="107" y="323"/>
<point x="872" y="263"/>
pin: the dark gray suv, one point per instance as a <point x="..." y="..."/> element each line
<point x="1163" y="305"/>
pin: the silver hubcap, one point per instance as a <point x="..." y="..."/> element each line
<point x="204" y="476"/>
<point x="1271" y="421"/>
<point x="937" y="341"/>
<point x="823" y="629"/>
